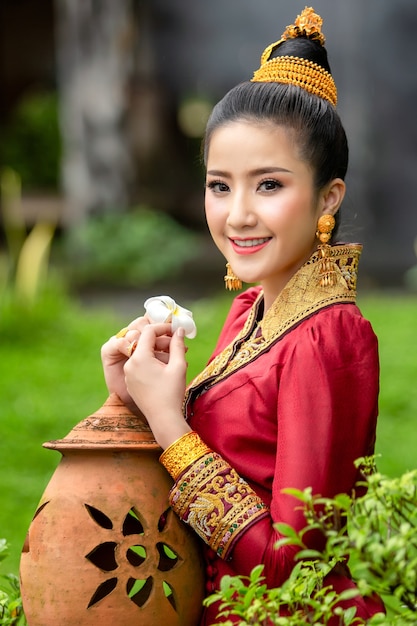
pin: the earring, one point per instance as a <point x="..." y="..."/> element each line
<point x="327" y="266"/>
<point x="231" y="281"/>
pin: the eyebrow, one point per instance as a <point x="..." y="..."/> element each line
<point x="257" y="172"/>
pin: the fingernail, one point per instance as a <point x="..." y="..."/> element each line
<point x="181" y="332"/>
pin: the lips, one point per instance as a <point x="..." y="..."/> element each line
<point x="249" y="246"/>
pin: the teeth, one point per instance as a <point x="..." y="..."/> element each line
<point x="247" y="243"/>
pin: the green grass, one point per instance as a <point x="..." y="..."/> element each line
<point x="394" y="320"/>
<point x="51" y="378"/>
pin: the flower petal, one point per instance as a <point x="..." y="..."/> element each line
<point x="160" y="308"/>
<point x="165" y="309"/>
<point x="185" y="321"/>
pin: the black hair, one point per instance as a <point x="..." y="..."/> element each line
<point x="319" y="131"/>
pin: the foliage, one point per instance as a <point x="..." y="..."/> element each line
<point x="23" y="269"/>
<point x="132" y="249"/>
<point x="11" y="610"/>
<point x="31" y="142"/>
<point x="298" y="601"/>
<point x="381" y="544"/>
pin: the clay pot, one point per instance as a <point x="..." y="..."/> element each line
<point x="104" y="547"/>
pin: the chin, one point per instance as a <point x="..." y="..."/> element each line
<point x="249" y="280"/>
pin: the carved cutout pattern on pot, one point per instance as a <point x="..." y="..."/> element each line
<point x="105" y="557"/>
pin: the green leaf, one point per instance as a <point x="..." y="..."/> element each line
<point x="289" y="532"/>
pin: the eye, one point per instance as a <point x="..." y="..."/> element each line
<point x="269" y="185"/>
<point x="217" y="186"/>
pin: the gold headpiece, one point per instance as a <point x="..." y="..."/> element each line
<point x="296" y="70"/>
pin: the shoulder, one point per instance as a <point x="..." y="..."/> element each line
<point x="338" y="318"/>
<point x="338" y="332"/>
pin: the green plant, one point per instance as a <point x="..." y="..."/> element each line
<point x="300" y="600"/>
<point x="130" y="249"/>
<point x="31" y="142"/>
<point x="23" y="268"/>
<point x="11" y="610"/>
<point x="381" y="545"/>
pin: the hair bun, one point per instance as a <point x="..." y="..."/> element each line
<point x="292" y="67"/>
<point x="308" y="24"/>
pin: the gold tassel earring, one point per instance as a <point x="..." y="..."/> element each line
<point x="231" y="281"/>
<point x="327" y="267"/>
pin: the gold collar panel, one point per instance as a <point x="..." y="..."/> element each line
<point x="301" y="297"/>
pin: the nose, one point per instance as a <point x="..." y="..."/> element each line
<point x="241" y="212"/>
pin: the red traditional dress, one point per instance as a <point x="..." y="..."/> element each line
<point x="288" y="399"/>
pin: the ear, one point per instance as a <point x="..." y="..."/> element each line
<point x="332" y="196"/>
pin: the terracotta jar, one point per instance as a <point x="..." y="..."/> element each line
<point x="104" y="547"/>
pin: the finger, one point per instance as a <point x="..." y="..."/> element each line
<point x="162" y="343"/>
<point x="177" y="349"/>
<point x="163" y="357"/>
<point x="160" y="329"/>
<point x="113" y="347"/>
<point x="161" y="349"/>
<point x="123" y="343"/>
<point x="147" y="342"/>
<point x="139" y="323"/>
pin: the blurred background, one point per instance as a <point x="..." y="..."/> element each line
<point x="102" y="109"/>
<point x="103" y="104"/>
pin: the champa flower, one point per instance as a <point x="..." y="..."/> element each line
<point x="164" y="309"/>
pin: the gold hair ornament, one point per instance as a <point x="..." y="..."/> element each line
<point x="296" y="70"/>
<point x="231" y="281"/>
<point x="327" y="268"/>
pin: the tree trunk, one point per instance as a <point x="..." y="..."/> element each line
<point x="95" y="43"/>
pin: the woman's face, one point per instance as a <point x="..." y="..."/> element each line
<point x="261" y="204"/>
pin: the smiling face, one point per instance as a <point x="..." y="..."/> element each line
<point x="261" y="204"/>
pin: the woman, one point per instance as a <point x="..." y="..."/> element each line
<point x="289" y="397"/>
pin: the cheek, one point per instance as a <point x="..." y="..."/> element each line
<point x="293" y="220"/>
<point x="213" y="215"/>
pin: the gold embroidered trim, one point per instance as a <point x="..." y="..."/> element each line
<point x="218" y="504"/>
<point x="183" y="453"/>
<point x="300" y="298"/>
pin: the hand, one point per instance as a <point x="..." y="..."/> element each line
<point x="116" y="351"/>
<point x="157" y="386"/>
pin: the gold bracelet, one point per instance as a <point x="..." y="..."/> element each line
<point x="182" y="453"/>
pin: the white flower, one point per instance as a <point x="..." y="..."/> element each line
<point x="164" y="309"/>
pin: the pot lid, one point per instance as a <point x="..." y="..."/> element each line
<point x="113" y="426"/>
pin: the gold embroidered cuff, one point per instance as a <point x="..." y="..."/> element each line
<point x="183" y="453"/>
<point x="216" y="502"/>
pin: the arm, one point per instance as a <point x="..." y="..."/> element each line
<point x="326" y="412"/>
<point x="157" y="385"/>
